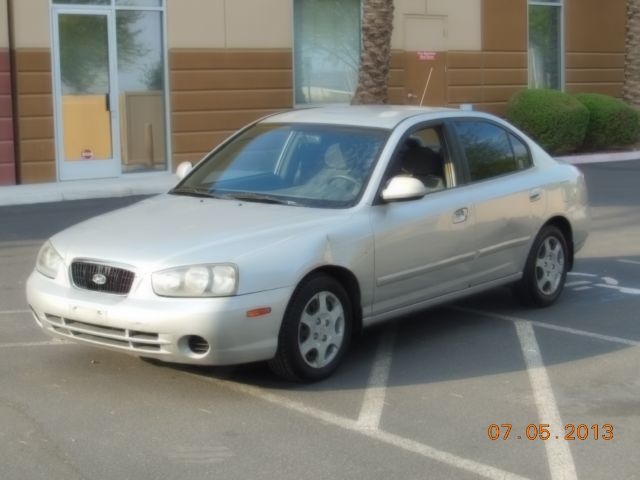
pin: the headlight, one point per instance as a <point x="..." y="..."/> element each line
<point x="196" y="281"/>
<point x="49" y="261"/>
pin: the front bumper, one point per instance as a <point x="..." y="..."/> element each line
<point x="158" y="327"/>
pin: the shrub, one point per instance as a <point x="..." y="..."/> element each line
<point x="612" y="122"/>
<point x="554" y="119"/>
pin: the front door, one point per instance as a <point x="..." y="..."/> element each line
<point x="424" y="248"/>
<point x="86" y="106"/>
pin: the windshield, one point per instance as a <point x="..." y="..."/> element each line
<point x="311" y="165"/>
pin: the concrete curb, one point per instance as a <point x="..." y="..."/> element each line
<point x="152" y="184"/>
<point x="601" y="157"/>
<point x="85" y="189"/>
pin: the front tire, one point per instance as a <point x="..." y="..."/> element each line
<point x="546" y="269"/>
<point x="315" y="332"/>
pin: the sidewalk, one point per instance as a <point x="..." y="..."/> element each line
<point x="150" y="184"/>
<point x="144" y="184"/>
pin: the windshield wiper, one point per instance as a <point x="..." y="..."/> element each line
<point x="258" y="197"/>
<point x="192" y="191"/>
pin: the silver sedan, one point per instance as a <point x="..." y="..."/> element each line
<point x="307" y="226"/>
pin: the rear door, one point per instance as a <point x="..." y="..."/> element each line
<point x="506" y="197"/>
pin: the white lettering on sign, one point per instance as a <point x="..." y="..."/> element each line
<point x="425" y="55"/>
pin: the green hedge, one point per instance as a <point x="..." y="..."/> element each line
<point x="612" y="123"/>
<point x="554" y="119"/>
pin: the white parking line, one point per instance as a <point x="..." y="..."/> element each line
<point x="13" y="312"/>
<point x="373" y="403"/>
<point x="578" y="274"/>
<point x="349" y="424"/>
<point x="581" y="289"/>
<point x="559" y="455"/>
<point x="550" y="326"/>
<point x="577" y="283"/>
<point x="632" y="262"/>
<point x="627" y="290"/>
<point x="34" y="344"/>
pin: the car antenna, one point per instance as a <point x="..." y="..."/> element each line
<point x="426" y="87"/>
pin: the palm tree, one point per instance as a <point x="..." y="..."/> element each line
<point x="631" y="89"/>
<point x="373" y="75"/>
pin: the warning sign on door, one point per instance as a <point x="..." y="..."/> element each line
<point x="426" y="55"/>
<point x="87" y="154"/>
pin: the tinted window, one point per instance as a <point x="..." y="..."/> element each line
<point x="521" y="152"/>
<point x="487" y="148"/>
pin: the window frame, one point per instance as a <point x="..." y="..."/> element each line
<point x="460" y="151"/>
<point x="451" y="159"/>
<point x="555" y="4"/>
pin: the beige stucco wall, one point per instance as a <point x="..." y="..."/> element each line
<point x="437" y="25"/>
<point x="31" y="23"/>
<point x="229" y="23"/>
<point x="418" y="24"/>
<point x="196" y="23"/>
<point x="4" y="31"/>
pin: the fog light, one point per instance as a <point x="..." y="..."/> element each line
<point x="197" y="345"/>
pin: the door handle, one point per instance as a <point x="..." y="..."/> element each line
<point x="460" y="215"/>
<point x="535" y="194"/>
<point x="107" y="101"/>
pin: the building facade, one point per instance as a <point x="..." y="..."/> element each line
<point x="104" y="88"/>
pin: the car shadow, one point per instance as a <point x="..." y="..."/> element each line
<point x="457" y="341"/>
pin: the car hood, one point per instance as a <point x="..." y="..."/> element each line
<point x="171" y="230"/>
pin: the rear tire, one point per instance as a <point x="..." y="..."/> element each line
<point x="546" y="269"/>
<point x="315" y="331"/>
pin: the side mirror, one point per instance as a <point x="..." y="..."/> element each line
<point x="183" y="170"/>
<point x="403" y="187"/>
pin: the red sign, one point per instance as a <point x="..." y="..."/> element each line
<point x="425" y="55"/>
<point x="87" y="154"/>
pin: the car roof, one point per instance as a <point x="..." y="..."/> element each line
<point x="376" y="116"/>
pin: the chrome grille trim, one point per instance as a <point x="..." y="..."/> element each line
<point x="118" y="281"/>
<point x="131" y="340"/>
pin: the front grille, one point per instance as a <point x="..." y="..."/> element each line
<point x="132" y="340"/>
<point x="101" y="278"/>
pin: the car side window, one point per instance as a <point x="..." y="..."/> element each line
<point x="490" y="150"/>
<point x="521" y="153"/>
<point x="422" y="157"/>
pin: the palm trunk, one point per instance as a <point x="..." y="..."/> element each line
<point x="373" y="76"/>
<point x="631" y="89"/>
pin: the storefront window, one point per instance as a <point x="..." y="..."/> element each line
<point x="545" y="44"/>
<point x="141" y="86"/>
<point x="326" y="50"/>
<point x="83" y="2"/>
<point x="118" y="3"/>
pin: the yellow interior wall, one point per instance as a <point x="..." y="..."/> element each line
<point x="86" y="126"/>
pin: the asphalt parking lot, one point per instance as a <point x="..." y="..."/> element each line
<point x="415" y="398"/>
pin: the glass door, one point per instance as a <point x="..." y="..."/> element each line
<point x="141" y="87"/>
<point x="85" y="92"/>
